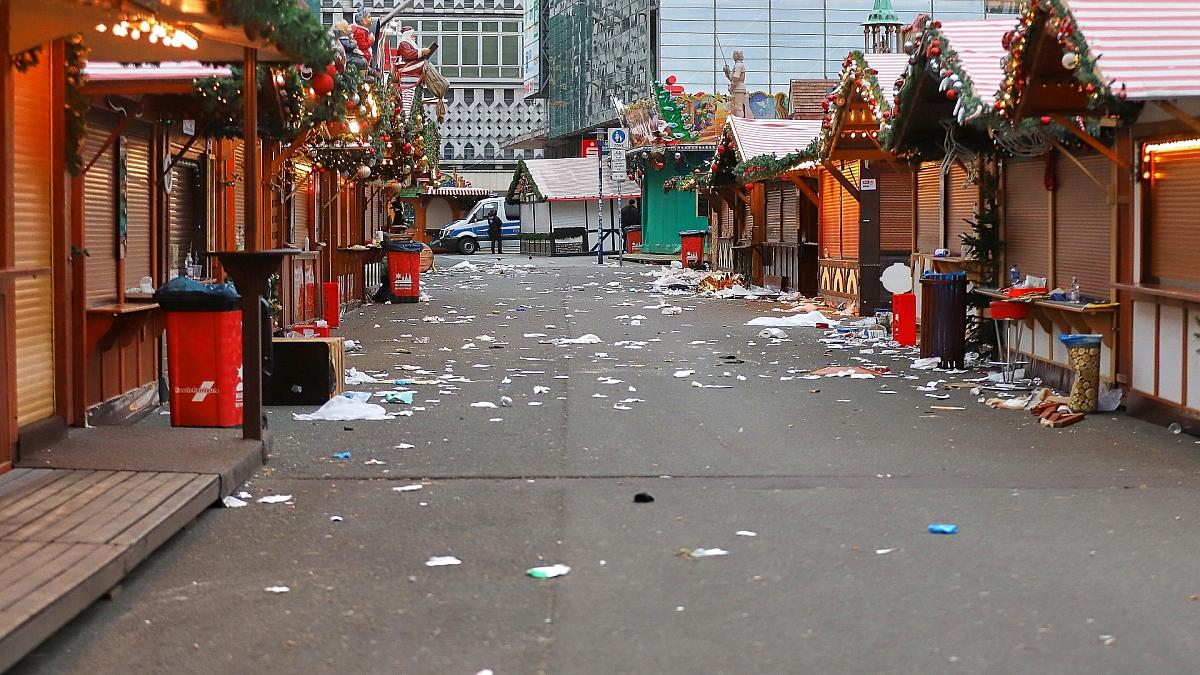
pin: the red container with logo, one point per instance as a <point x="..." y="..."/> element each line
<point x="691" y="247"/>
<point x="904" y="318"/>
<point x="404" y="270"/>
<point x="332" y="304"/>
<point x="204" y="366"/>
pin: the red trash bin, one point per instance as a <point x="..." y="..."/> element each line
<point x="404" y="270"/>
<point x="904" y="318"/>
<point x="691" y="245"/>
<point x="333" y="304"/>
<point x="633" y="239"/>
<point x="204" y="358"/>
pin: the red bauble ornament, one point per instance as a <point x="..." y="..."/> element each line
<point x="714" y="167"/>
<point x="951" y="94"/>
<point x="934" y="52"/>
<point x="331" y="70"/>
<point x="322" y="83"/>
<point x="749" y="187"/>
<point x="1045" y="119"/>
<point x="407" y="148"/>
<point x="936" y="24"/>
<point x="1091" y="88"/>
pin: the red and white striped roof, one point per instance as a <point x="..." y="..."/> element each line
<point x="573" y="178"/>
<point x="777" y="138"/>
<point x="889" y="68"/>
<point x="460" y="192"/>
<point x="1150" y="46"/>
<point x="980" y="49"/>
<point x="110" y="71"/>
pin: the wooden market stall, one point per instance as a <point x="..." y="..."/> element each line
<point x="866" y="217"/>
<point x="764" y="220"/>
<point x="1056" y="71"/>
<point x="559" y="198"/>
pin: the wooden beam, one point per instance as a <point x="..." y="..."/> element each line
<point x="291" y="150"/>
<point x="1087" y="138"/>
<point x="841" y="178"/>
<point x="805" y="190"/>
<point x="1074" y="160"/>
<point x="1179" y="114"/>
<point x="122" y="124"/>
<point x="8" y="331"/>
<point x="250" y="171"/>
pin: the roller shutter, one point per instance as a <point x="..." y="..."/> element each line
<point x="791" y="213"/>
<point x="1083" y="226"/>
<point x="1175" y="203"/>
<point x="1026" y="217"/>
<point x="839" y="215"/>
<point x="774" y="215"/>
<point x="929" y="207"/>
<point x="300" y="205"/>
<point x="139" y="252"/>
<point x="961" y="202"/>
<point x="33" y="238"/>
<point x="239" y="195"/>
<point x="725" y="220"/>
<point x="895" y="210"/>
<point x="747" y="233"/>
<point x="99" y="216"/>
<point x="186" y="228"/>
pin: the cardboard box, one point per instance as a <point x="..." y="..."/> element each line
<point x="298" y="378"/>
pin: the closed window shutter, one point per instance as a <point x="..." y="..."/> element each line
<point x="747" y="232"/>
<point x="895" y="210"/>
<point x="1083" y="245"/>
<point x="300" y="205"/>
<point x="726" y="220"/>
<point x="929" y="207"/>
<point x="138" y="254"/>
<point x="791" y="213"/>
<point x="33" y="309"/>
<point x="774" y="224"/>
<point x="1175" y="205"/>
<point x="831" y="217"/>
<point x="99" y="216"/>
<point x="850" y="214"/>
<point x="239" y="194"/>
<point x="1026" y="217"/>
<point x="186" y="231"/>
<point x="962" y="200"/>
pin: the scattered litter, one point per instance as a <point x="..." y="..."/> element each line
<point x="696" y="553"/>
<point x="483" y="404"/>
<point x="231" y="502"/>
<point x="772" y="333"/>
<point x="277" y="589"/>
<point x="926" y="364"/>
<point x="341" y="455"/>
<point x="813" y="319"/>
<point x="506" y="401"/>
<point x="588" y="339"/>
<point x="355" y="377"/>
<point x="405" y="397"/>
<point x="345" y="408"/>
<point x="672" y="311"/>
<point x="943" y="528"/>
<point x="940" y="397"/>
<point x="643" y="498"/>
<point x="699" y="385"/>
<point x="405" y="446"/>
<point x="549" y="571"/>
<point x="442" y="561"/>
<point x="684" y="373"/>
<point x="884" y="551"/>
<point x="408" y="488"/>
<point x="946" y="407"/>
<point x="746" y="533"/>
<point x="538" y="389"/>
<point x="336" y="519"/>
<point x="535" y="335"/>
<point x="274" y="499"/>
<point x="243" y="495"/>
<point x="1108" y="640"/>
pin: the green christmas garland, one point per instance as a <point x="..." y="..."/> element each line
<point x="770" y="167"/>
<point x="77" y="104"/>
<point x="522" y="185"/>
<point x="27" y="59"/>
<point x="289" y="24"/>
<point x="854" y="67"/>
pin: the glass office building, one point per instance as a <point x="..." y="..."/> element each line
<point x="600" y="49"/>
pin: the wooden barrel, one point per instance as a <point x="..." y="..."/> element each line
<point x="426" y="258"/>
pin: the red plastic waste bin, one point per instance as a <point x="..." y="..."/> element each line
<point x="333" y="304"/>
<point x="204" y="354"/>
<point x="904" y="318"/>
<point x="404" y="270"/>
<point x="691" y="244"/>
<point x="633" y="239"/>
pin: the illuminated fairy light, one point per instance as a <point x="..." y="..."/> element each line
<point x="155" y="31"/>
<point x="1172" y="146"/>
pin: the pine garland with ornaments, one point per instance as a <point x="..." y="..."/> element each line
<point x="770" y="167"/>
<point x="1077" y="58"/>
<point x="724" y="160"/>
<point x="857" y="77"/>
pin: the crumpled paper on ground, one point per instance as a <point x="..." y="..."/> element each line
<point x="811" y="319"/>
<point x="348" y="407"/>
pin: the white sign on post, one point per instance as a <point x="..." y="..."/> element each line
<point x="618" y="137"/>
<point x="619" y="169"/>
<point x="868" y="184"/>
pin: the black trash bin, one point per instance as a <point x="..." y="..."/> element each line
<point x="944" y="318"/>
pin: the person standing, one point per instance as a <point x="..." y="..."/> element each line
<point x="631" y="216"/>
<point x="495" y="232"/>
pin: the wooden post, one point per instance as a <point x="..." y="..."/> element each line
<point x="252" y="355"/>
<point x="250" y="134"/>
<point x="868" y="242"/>
<point x="65" y="324"/>
<point x="8" y="338"/>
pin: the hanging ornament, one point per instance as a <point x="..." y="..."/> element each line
<point x="1045" y="120"/>
<point x="364" y="172"/>
<point x="1070" y="60"/>
<point x="322" y="84"/>
<point x="951" y="94"/>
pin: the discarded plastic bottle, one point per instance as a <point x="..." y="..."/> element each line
<point x="1175" y="428"/>
<point x="1074" y="289"/>
<point x="1014" y="275"/>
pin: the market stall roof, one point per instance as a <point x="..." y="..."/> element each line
<point x="864" y="97"/>
<point x="972" y="52"/>
<point x="35" y="22"/>
<point x="460" y="192"/>
<point x="775" y="138"/>
<point x="566" y="179"/>
<point x="108" y="77"/>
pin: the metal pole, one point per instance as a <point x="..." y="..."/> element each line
<point x="621" y="225"/>
<point x="600" y="199"/>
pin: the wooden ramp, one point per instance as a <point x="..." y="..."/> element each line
<point x="68" y="536"/>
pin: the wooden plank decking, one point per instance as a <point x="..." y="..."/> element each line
<point x="67" y="536"/>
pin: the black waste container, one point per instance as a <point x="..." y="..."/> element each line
<point x="944" y="318"/>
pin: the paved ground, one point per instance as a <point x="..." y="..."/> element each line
<point x="1075" y="552"/>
